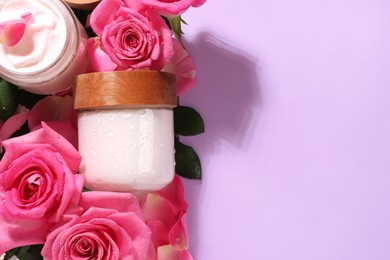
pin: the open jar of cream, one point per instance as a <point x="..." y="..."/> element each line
<point x="125" y="124"/>
<point x="51" y="51"/>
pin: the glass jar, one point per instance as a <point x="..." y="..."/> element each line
<point x="52" y="50"/>
<point x="125" y="124"/>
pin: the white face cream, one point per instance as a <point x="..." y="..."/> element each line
<point x="43" y="40"/>
<point x="127" y="149"/>
<point x="51" y="51"/>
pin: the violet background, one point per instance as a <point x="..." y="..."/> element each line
<point x="296" y="155"/>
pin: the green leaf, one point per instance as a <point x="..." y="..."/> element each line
<point x="34" y="252"/>
<point x="22" y="253"/>
<point x="175" y="24"/>
<point x="8" y="99"/>
<point x="187" y="121"/>
<point x="187" y="161"/>
<point x="25" y="253"/>
<point x="10" y="253"/>
<point x="19" y="252"/>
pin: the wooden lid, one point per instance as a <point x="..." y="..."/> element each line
<point x="83" y="4"/>
<point x="120" y="89"/>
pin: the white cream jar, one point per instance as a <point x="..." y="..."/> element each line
<point x="51" y="51"/>
<point x="126" y="135"/>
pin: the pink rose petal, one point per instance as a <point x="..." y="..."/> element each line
<point x="165" y="38"/>
<point x="167" y="226"/>
<point x="46" y="135"/>
<point x="171" y="8"/>
<point x="159" y="232"/>
<point x="121" y="202"/>
<point x="99" y="60"/>
<point x="158" y="208"/>
<point x="11" y="32"/>
<point x="20" y="233"/>
<point x="58" y="113"/>
<point x="13" y="124"/>
<point x="103" y="14"/>
<point x="51" y="108"/>
<point x="135" y="5"/>
<point x="178" y="235"/>
<point x="165" y="214"/>
<point x="174" y="195"/>
<point x="197" y="3"/>
<point x="66" y="129"/>
<point x="183" y="66"/>
<point x="168" y="252"/>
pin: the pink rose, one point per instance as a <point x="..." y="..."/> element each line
<point x="165" y="214"/>
<point x="172" y="7"/>
<point x="110" y="227"/>
<point x="133" y="37"/>
<point x="37" y="186"/>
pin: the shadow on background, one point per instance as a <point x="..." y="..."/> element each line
<point x="226" y="92"/>
<point x="227" y="95"/>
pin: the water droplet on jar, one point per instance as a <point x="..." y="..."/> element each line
<point x="142" y="112"/>
<point x="126" y="116"/>
<point x="110" y="134"/>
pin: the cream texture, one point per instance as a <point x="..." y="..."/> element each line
<point x="44" y="38"/>
<point x="127" y="149"/>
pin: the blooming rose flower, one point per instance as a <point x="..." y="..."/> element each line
<point x="37" y="186"/>
<point x="132" y="36"/>
<point x="165" y="214"/>
<point x="110" y="227"/>
<point x="171" y="7"/>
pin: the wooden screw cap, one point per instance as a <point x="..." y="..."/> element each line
<point x="120" y="89"/>
<point x="83" y="4"/>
